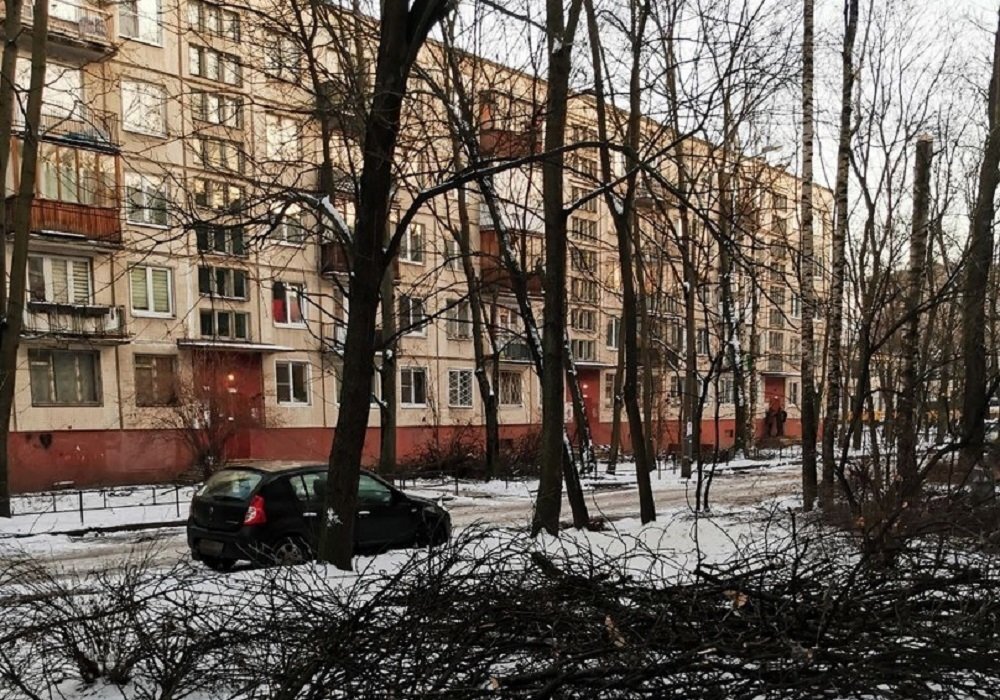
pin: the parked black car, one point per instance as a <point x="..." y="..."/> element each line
<point x="270" y="513"/>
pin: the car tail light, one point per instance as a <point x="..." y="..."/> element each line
<point x="255" y="512"/>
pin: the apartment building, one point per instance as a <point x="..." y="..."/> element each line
<point x="181" y="280"/>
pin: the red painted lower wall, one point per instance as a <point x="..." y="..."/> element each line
<point x="120" y="457"/>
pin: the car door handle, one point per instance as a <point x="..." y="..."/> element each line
<point x="364" y="512"/>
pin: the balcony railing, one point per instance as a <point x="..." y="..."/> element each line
<point x="46" y="318"/>
<point x="516" y="351"/>
<point x="503" y="143"/>
<point x="83" y="126"/>
<point x="90" y="222"/>
<point x="83" y="27"/>
<point x="333" y="260"/>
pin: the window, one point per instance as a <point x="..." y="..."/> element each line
<point x="214" y="65"/>
<point x="583" y="320"/>
<point x="583" y="350"/>
<point x="282" y="56"/>
<point x="726" y="390"/>
<point x="776" y="341"/>
<point x="289" y="227"/>
<point x="510" y="388"/>
<point x="63" y="94"/>
<point x="796" y="306"/>
<point x="583" y="228"/>
<point x="583" y="290"/>
<point x="703" y="347"/>
<point x="215" y="238"/>
<point x="152" y="291"/>
<point x="213" y="194"/>
<point x="145" y="200"/>
<point x="578" y="194"/>
<point x="144" y="108"/>
<point x="411" y="247"/>
<point x="372" y="492"/>
<point x="676" y="387"/>
<point x="793" y="393"/>
<point x="140" y="19"/>
<point x="281" y="138"/>
<point x="451" y="255"/>
<point x="223" y="282"/>
<point x="583" y="260"/>
<point x="286" y="304"/>
<point x="64" y="378"/>
<point x="609" y="389"/>
<point x="780" y="227"/>
<point x="213" y="20"/>
<point x="155" y="383"/>
<point x="217" y="323"/>
<point x="459" y="319"/>
<point x="780" y="202"/>
<point x="59" y="280"/>
<point x="76" y="175"/>
<point x="412" y="315"/>
<point x="613" y="333"/>
<point x="292" y="383"/>
<point x="460" y="388"/>
<point x="376" y="389"/>
<point x="217" y="108"/>
<point x="413" y="386"/>
<point x="218" y="154"/>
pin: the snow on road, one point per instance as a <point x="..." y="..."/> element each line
<point x="496" y="503"/>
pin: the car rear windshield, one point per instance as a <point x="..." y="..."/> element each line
<point x="231" y="484"/>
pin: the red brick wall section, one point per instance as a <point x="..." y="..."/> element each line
<point x="119" y="457"/>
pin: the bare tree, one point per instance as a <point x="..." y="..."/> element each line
<point x="12" y="300"/>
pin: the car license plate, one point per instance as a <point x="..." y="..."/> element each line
<point x="210" y="547"/>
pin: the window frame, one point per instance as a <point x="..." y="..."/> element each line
<point x="412" y="371"/>
<point x="299" y="291"/>
<point x="173" y="400"/>
<point x="152" y="313"/>
<point x="47" y="261"/>
<point x="232" y="314"/>
<point x="519" y="376"/>
<point x="139" y="16"/>
<point x="416" y="328"/>
<point x="140" y="183"/>
<point x="464" y="377"/>
<point x="144" y="89"/>
<point x="408" y="252"/>
<point x="95" y="359"/>
<point x="306" y="377"/>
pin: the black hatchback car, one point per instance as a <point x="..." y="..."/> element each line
<point x="270" y="513"/>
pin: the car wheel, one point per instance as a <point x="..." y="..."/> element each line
<point x="433" y="534"/>
<point x="218" y="563"/>
<point x="289" y="551"/>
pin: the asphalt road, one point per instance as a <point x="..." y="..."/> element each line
<point x="166" y="547"/>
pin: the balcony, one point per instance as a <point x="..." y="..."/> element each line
<point x="494" y="275"/>
<point x="333" y="260"/>
<point x="82" y="127"/>
<point x="77" y="31"/>
<point x="516" y="350"/>
<point x="507" y="144"/>
<point x="93" y="223"/>
<point x="102" y="324"/>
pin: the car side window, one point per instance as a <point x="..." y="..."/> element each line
<point x="299" y="487"/>
<point x="315" y="486"/>
<point x="372" y="492"/>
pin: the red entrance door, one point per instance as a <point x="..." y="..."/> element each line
<point x="229" y="388"/>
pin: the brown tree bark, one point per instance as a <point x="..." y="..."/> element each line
<point x="977" y="273"/>
<point x="10" y="330"/>
<point x="560" y="31"/>
<point x="831" y="421"/>
<point x="907" y="442"/>
<point x="402" y="31"/>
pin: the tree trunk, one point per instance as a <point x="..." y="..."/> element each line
<point x="560" y="32"/>
<point x="388" y="403"/>
<point x="402" y="31"/>
<point x="977" y="274"/>
<point x="907" y="445"/>
<point x="807" y="243"/>
<point x="623" y="214"/>
<point x="10" y="332"/>
<point x="831" y="420"/>
<point x="617" y="402"/>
